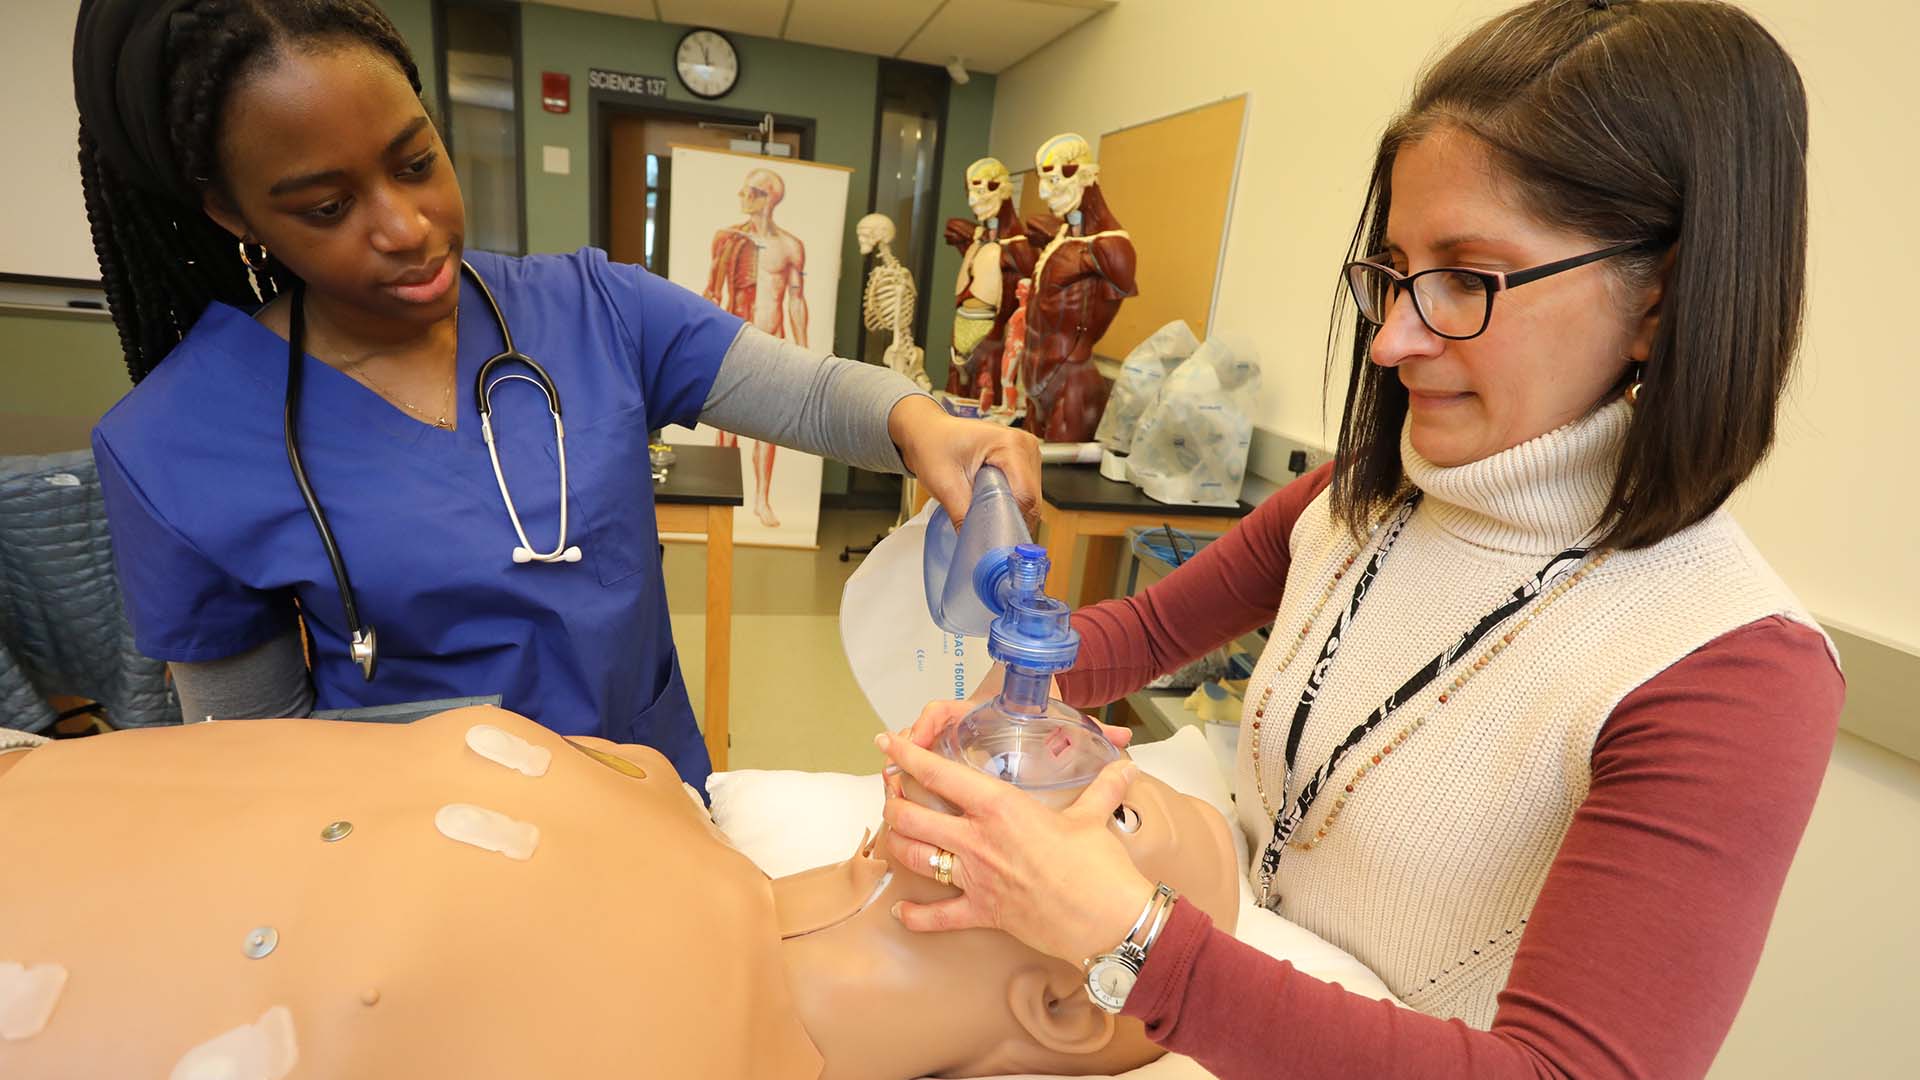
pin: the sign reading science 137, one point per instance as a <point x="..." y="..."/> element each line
<point x="626" y="82"/>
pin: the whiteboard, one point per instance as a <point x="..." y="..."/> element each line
<point x="43" y="219"/>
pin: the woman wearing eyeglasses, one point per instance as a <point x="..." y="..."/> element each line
<point x="1538" y="730"/>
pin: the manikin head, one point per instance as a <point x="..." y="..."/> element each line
<point x="988" y="186"/>
<point x="874" y="230"/>
<point x="761" y="191"/>
<point x="978" y="1002"/>
<point x="1067" y="169"/>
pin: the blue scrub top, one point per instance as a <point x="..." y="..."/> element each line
<point x="214" y="544"/>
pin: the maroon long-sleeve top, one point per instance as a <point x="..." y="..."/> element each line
<point x="1650" y="923"/>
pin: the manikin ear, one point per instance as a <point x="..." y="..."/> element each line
<point x="1641" y="346"/>
<point x="1052" y="1005"/>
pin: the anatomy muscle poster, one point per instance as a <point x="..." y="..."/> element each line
<point x="761" y="237"/>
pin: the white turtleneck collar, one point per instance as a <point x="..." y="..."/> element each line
<point x="1544" y="495"/>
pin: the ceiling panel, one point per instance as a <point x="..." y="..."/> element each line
<point x="761" y="18"/>
<point x="635" y="9"/>
<point x="990" y="35"/>
<point x="860" y="25"/>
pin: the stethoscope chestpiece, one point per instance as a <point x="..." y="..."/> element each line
<point x="365" y="650"/>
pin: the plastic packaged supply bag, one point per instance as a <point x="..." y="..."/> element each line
<point x="1191" y="446"/>
<point x="1142" y="374"/>
<point x="900" y="658"/>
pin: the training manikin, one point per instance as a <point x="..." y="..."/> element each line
<point x="759" y="272"/>
<point x="472" y="895"/>
<point x="994" y="255"/>
<point x="890" y="298"/>
<point x="1084" y="270"/>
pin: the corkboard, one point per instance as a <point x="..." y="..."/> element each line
<point x="1170" y="182"/>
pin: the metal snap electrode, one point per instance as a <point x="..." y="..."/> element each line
<point x="262" y="941"/>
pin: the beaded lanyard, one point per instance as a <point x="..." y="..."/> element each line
<point x="1287" y="822"/>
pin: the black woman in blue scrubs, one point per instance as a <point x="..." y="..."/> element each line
<point x="271" y="204"/>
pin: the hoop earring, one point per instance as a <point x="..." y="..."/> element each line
<point x="1634" y="388"/>
<point x="246" y="257"/>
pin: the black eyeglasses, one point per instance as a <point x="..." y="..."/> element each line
<point x="1455" y="302"/>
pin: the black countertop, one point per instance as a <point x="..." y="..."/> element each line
<point x="702" y="476"/>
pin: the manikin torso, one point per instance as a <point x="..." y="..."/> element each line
<point x="400" y="952"/>
<point x="477" y="921"/>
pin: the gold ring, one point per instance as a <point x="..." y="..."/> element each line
<point x="942" y="861"/>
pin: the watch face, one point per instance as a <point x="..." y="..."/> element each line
<point x="1109" y="982"/>
<point x="706" y="63"/>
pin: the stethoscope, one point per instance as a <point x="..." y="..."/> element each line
<point x="362" y="644"/>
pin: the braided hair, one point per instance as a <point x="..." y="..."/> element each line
<point x="151" y="78"/>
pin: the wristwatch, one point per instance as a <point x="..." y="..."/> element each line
<point x="1111" y="975"/>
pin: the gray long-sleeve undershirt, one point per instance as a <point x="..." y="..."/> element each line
<point x="774" y="391"/>
<point x="766" y="389"/>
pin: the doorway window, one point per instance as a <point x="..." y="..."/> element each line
<point x="483" y="119"/>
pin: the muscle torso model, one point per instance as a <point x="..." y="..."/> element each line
<point x="472" y="895"/>
<point x="890" y="298"/>
<point x="1084" y="270"/>
<point x="758" y="272"/>
<point x="993" y="256"/>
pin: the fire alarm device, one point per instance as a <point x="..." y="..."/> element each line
<point x="554" y="91"/>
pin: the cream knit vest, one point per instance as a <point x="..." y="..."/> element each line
<point x="1435" y="863"/>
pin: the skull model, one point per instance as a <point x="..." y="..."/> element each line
<point x="874" y="230"/>
<point x="1066" y="167"/>
<point x="988" y="186"/>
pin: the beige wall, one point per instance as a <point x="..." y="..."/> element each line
<point x="1324" y="78"/>
<point x="1833" y="993"/>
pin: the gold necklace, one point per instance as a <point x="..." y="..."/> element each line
<point x="1386" y="746"/>
<point x="356" y="368"/>
<point x="446" y="398"/>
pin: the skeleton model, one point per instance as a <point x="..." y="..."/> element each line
<point x="890" y="299"/>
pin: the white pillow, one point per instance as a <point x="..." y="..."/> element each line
<point x="787" y="821"/>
